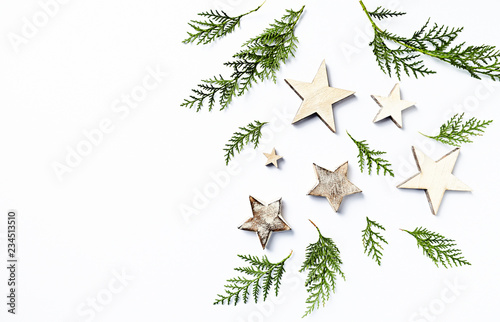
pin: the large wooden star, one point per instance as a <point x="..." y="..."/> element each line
<point x="265" y="220"/>
<point x="318" y="97"/>
<point x="333" y="185"/>
<point x="435" y="177"/>
<point x="391" y="106"/>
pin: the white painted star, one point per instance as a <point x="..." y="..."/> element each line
<point x="392" y="106"/>
<point x="318" y="97"/>
<point x="435" y="177"/>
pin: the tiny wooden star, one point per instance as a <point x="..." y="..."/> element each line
<point x="435" y="177"/>
<point x="265" y="220"/>
<point x="272" y="158"/>
<point x="318" y="97"/>
<point x="392" y="106"/>
<point x="333" y="185"/>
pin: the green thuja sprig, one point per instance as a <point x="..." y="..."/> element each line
<point x="434" y="41"/>
<point x="382" y="13"/>
<point x="438" y="248"/>
<point x="456" y="132"/>
<point x="370" y="157"/>
<point x="260" y="59"/>
<point x="372" y="240"/>
<point x="250" y="133"/>
<point x="323" y="265"/>
<point x="261" y="275"/>
<point x="217" y="25"/>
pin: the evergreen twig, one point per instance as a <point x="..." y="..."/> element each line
<point x="382" y="13"/>
<point x="456" y="132"/>
<point x="323" y="265"/>
<point x="262" y="275"/>
<point x="438" y="248"/>
<point x="217" y="25"/>
<point x="260" y="59"/>
<point x="370" y="157"/>
<point x="434" y="41"/>
<point x="372" y="240"/>
<point x="250" y="133"/>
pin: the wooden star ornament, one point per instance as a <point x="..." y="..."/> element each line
<point x="333" y="185"/>
<point x="435" y="177"/>
<point x="266" y="219"/>
<point x="392" y="106"/>
<point x="318" y="97"/>
<point x="272" y="158"/>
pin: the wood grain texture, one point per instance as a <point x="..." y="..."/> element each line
<point x="266" y="219"/>
<point x="333" y="185"/>
<point x="272" y="158"/>
<point x="318" y="97"/>
<point x="392" y="106"/>
<point x="435" y="177"/>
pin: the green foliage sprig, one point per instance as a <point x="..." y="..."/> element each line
<point x="434" y="41"/>
<point x="323" y="265"/>
<point x="382" y="13"/>
<point x="260" y="59"/>
<point x="262" y="275"/>
<point x="370" y="157"/>
<point x="250" y="133"/>
<point x="372" y="240"/>
<point x="456" y="132"/>
<point x="438" y="248"/>
<point x="217" y="25"/>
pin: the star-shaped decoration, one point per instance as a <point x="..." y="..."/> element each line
<point x="392" y="106"/>
<point x="272" y="158"/>
<point x="318" y="97"/>
<point x="265" y="220"/>
<point x="435" y="177"/>
<point x="333" y="185"/>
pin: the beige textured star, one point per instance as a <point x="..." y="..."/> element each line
<point x="333" y="185"/>
<point x="392" y="106"/>
<point x="318" y="97"/>
<point x="435" y="177"/>
<point x="272" y="158"/>
<point x="265" y="220"/>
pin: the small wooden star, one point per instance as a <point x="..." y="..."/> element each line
<point x="272" y="158"/>
<point x="333" y="185"/>
<point x="435" y="177"/>
<point x="318" y="97"/>
<point x="392" y="106"/>
<point x="265" y="220"/>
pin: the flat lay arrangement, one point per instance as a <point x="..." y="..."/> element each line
<point x="249" y="161"/>
<point x="259" y="59"/>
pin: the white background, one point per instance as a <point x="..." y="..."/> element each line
<point x="121" y="208"/>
